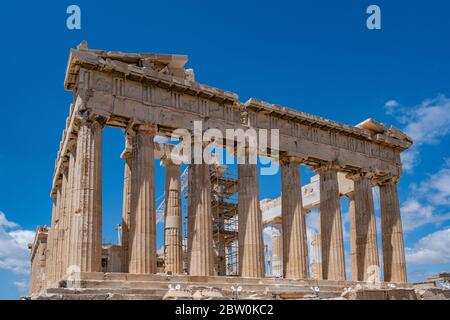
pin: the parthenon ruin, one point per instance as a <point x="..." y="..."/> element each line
<point x="153" y="94"/>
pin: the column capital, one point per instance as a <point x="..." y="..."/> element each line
<point x="168" y="162"/>
<point x="87" y="117"/>
<point x="285" y="159"/>
<point x="357" y="175"/>
<point x="327" y="166"/>
<point x="148" y="128"/>
<point x="72" y="147"/>
<point x="145" y="127"/>
<point x="386" y="179"/>
<point x="128" y="151"/>
<point x="64" y="164"/>
<point x="134" y="127"/>
<point x="58" y="182"/>
<point x="350" y="195"/>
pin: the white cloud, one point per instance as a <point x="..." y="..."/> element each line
<point x="14" y="253"/>
<point x="428" y="201"/>
<point x="22" y="286"/>
<point x="437" y="186"/>
<point x="391" y="104"/>
<point x="425" y="124"/>
<point x="410" y="158"/>
<point x="312" y="221"/>
<point x="346" y="225"/>
<point x="416" y="214"/>
<point x="4" y="222"/>
<point x="22" y="237"/>
<point x="429" y="121"/>
<point x="432" y="249"/>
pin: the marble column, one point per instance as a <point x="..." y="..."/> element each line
<point x="250" y="229"/>
<point x="200" y="237"/>
<point x="277" y="250"/>
<point x="69" y="210"/>
<point x="86" y="222"/>
<point x="365" y="229"/>
<point x="331" y="236"/>
<point x="352" y="218"/>
<point x="50" y="272"/>
<point x="316" y="272"/>
<point x="295" y="247"/>
<point x="173" y="246"/>
<point x="142" y="229"/>
<point x="392" y="234"/>
<point x="62" y="216"/>
<point x="126" y="203"/>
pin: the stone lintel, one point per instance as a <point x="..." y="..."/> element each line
<point x="132" y="66"/>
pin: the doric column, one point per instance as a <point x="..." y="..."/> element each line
<point x="69" y="209"/>
<point x="316" y="272"/>
<point x="142" y="230"/>
<point x="295" y="245"/>
<point x="126" y="202"/>
<point x="331" y="237"/>
<point x="52" y="240"/>
<point x="277" y="251"/>
<point x="200" y="239"/>
<point x="86" y="222"/>
<point x="353" y="256"/>
<point x="250" y="237"/>
<point x="173" y="246"/>
<point x="364" y="228"/>
<point x="392" y="234"/>
<point x="62" y="216"/>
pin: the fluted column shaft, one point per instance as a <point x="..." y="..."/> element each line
<point x="173" y="246"/>
<point x="69" y="211"/>
<point x="86" y="223"/>
<point x="295" y="245"/>
<point x="142" y="231"/>
<point x="352" y="218"/>
<point x="392" y="234"/>
<point x="250" y="237"/>
<point x="277" y="250"/>
<point x="367" y="257"/>
<point x="126" y="210"/>
<point x="52" y="241"/>
<point x="62" y="216"/>
<point x="200" y="239"/>
<point x="316" y="272"/>
<point x="331" y="236"/>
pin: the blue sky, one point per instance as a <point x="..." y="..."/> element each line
<point x="313" y="56"/>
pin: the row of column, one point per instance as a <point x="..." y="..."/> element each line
<point x="75" y="237"/>
<point x="363" y="234"/>
<point x="364" y="246"/>
<point x="74" y="241"/>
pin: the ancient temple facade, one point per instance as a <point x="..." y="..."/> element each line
<point x="153" y="94"/>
